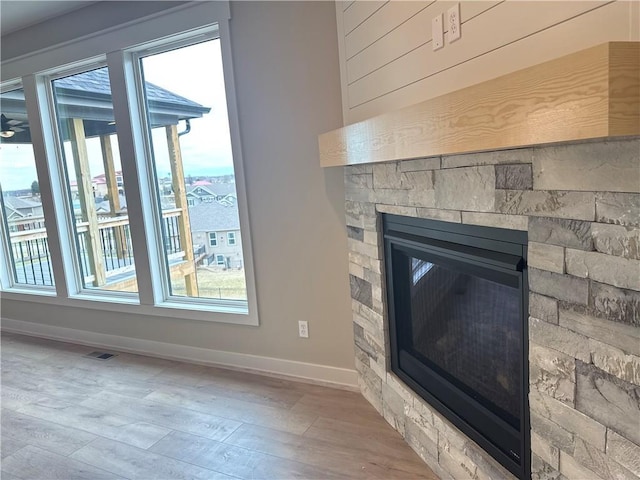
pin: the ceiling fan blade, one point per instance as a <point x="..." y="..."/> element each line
<point x="17" y="129"/>
<point x="14" y="122"/>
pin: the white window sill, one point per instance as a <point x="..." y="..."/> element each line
<point x="229" y="311"/>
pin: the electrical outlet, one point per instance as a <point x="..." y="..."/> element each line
<point x="303" y="329"/>
<point x="453" y="23"/>
<point x="437" y="33"/>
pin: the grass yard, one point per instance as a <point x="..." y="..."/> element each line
<point x="212" y="283"/>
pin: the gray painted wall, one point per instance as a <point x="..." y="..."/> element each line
<point x="288" y="91"/>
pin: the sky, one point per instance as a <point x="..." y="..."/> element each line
<point x="193" y="72"/>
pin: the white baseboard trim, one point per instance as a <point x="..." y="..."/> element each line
<point x="276" y="367"/>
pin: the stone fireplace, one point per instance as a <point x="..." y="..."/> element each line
<point x="580" y="205"/>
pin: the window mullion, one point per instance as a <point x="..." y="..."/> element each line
<point x="128" y="114"/>
<point x="58" y="221"/>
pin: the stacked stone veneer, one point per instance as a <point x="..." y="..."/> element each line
<point x="581" y="207"/>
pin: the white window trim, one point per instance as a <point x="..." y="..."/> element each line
<point x="188" y="22"/>
<point x="232" y="239"/>
<point x="214" y="238"/>
<point x="7" y="281"/>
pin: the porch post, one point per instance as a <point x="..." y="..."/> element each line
<point x="112" y="192"/>
<point x="87" y="200"/>
<point x="179" y="190"/>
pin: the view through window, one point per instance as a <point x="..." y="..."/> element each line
<point x="21" y="204"/>
<point x="87" y="129"/>
<point x="193" y="161"/>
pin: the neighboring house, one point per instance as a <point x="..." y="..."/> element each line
<point x="217" y="227"/>
<point x="103" y="206"/>
<point x="197" y="194"/>
<point x="203" y="191"/>
<point x="73" y="185"/>
<point x="99" y="185"/>
<point x="23" y="213"/>
<point x="18" y="207"/>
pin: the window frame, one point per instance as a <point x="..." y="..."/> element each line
<point x="69" y="234"/>
<point x="213" y="239"/>
<point x="7" y="260"/>
<point x="134" y="56"/>
<point x="231" y="238"/>
<point x="186" y="24"/>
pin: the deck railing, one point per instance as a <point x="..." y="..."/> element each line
<point x="32" y="259"/>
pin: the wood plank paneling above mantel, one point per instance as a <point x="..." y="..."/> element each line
<point x="594" y="93"/>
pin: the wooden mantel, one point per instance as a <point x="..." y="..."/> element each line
<point x="594" y="93"/>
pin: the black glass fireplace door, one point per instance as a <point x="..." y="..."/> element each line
<point x="456" y="326"/>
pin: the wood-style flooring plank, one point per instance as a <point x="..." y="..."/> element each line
<point x="254" y="387"/>
<point x="209" y="380"/>
<point x="135" y="463"/>
<point x="115" y="427"/>
<point x="107" y="382"/>
<point x="33" y="382"/>
<point x="339" y="405"/>
<point x="34" y="463"/>
<point x="4" y="475"/>
<point x="239" y="410"/>
<point x="337" y="458"/>
<point x="9" y="445"/>
<point x="15" y="398"/>
<point x="31" y="347"/>
<point x="169" y="416"/>
<point x="138" y="365"/>
<point x="41" y="433"/>
<point x="387" y="450"/>
<point x="182" y="374"/>
<point x="363" y="429"/>
<point x="235" y="461"/>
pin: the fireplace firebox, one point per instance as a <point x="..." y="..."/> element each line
<point x="457" y="303"/>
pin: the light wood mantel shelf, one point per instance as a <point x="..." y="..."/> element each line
<point x="594" y="93"/>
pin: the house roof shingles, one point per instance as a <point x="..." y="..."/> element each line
<point x="97" y="81"/>
<point x="19" y="203"/>
<point x="213" y="217"/>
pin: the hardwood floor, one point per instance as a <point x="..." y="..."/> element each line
<point x="66" y="416"/>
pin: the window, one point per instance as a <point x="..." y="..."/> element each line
<point x="28" y="258"/>
<point x="162" y="108"/>
<point x="231" y="238"/>
<point x="193" y="142"/>
<point x="90" y="149"/>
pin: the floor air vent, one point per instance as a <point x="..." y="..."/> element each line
<point x="100" y="355"/>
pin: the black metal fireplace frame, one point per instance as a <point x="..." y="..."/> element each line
<point x="493" y="250"/>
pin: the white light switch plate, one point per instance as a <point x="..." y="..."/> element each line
<point x="437" y="33"/>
